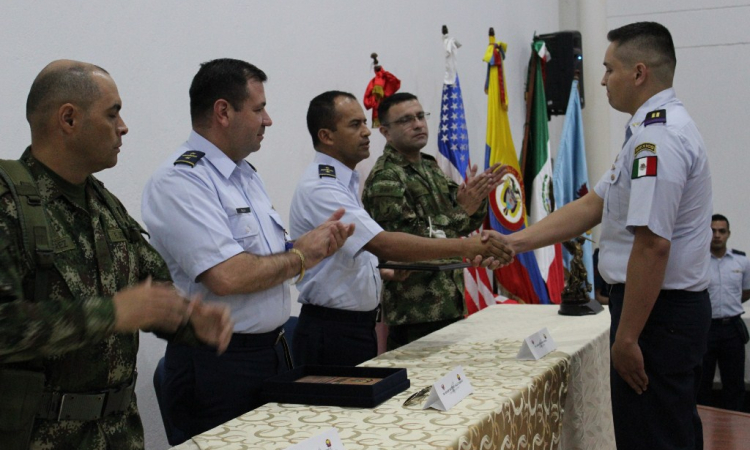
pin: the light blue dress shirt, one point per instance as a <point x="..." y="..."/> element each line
<point x="730" y="275"/>
<point x="675" y="204"/>
<point x="349" y="279"/>
<point x="201" y="216"/>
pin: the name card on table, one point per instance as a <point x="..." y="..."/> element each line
<point x="537" y="345"/>
<point x="327" y="440"/>
<point x="449" y="390"/>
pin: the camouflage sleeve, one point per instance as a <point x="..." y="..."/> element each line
<point x="30" y="330"/>
<point x="385" y="199"/>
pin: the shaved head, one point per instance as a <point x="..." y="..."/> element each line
<point x="61" y="82"/>
<point x="649" y="43"/>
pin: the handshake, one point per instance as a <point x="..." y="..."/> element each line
<point x="488" y="249"/>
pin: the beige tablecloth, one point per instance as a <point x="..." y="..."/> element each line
<point x="560" y="401"/>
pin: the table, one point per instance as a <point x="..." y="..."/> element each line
<point x="560" y="401"/>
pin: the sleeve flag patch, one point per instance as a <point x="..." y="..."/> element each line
<point x="644" y="167"/>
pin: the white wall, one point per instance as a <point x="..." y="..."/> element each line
<point x="153" y="49"/>
<point x="712" y="40"/>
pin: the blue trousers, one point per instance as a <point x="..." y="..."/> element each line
<point x="725" y="346"/>
<point x="673" y="342"/>
<point x="330" y="337"/>
<point x="202" y="390"/>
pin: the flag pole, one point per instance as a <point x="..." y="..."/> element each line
<point x="530" y="80"/>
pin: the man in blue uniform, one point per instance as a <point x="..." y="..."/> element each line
<point x="340" y="296"/>
<point x="655" y="209"/>
<point x="730" y="286"/>
<point x="210" y="217"/>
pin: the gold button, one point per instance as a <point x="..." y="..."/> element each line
<point x="612" y="177"/>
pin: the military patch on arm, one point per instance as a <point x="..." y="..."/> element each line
<point x="658" y="116"/>
<point x="645" y="147"/>
<point x="190" y="157"/>
<point x="324" y="170"/>
<point x="644" y="167"/>
<point x="738" y="252"/>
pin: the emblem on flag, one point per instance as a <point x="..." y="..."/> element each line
<point x="644" y="167"/>
<point x="507" y="201"/>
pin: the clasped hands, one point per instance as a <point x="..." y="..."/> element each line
<point x="159" y="306"/>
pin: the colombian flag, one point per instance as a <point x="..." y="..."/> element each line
<point x="507" y="203"/>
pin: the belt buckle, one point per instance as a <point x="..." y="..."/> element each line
<point x="81" y="406"/>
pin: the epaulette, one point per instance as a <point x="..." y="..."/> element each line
<point x="190" y="157"/>
<point x="738" y="252"/>
<point x="658" y="116"/>
<point x="324" y="170"/>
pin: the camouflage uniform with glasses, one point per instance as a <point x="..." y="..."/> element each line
<point x="417" y="198"/>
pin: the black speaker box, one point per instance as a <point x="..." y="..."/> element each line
<point x="567" y="60"/>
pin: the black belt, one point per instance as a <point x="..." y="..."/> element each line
<point x="268" y="339"/>
<point x="725" y="320"/>
<point x="86" y="406"/>
<point x="619" y="289"/>
<point x="341" y="315"/>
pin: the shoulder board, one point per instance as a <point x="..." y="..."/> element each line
<point x="252" y="166"/>
<point x="658" y="116"/>
<point x="190" y="157"/>
<point x="738" y="252"/>
<point x="324" y="170"/>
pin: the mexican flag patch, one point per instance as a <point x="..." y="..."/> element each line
<point x="644" y="167"/>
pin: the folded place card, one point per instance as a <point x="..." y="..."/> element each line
<point x="537" y="345"/>
<point x="449" y="390"/>
<point x="327" y="440"/>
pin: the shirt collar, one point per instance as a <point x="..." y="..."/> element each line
<point x="395" y="156"/>
<point x="344" y="174"/>
<point x="655" y="102"/>
<point x="223" y="164"/>
<point x="727" y="253"/>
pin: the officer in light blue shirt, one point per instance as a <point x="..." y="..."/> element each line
<point x="729" y="288"/>
<point x="654" y="206"/>
<point x="340" y="296"/>
<point x="211" y="219"/>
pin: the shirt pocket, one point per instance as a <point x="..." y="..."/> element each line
<point x="614" y="191"/>
<point x="244" y="227"/>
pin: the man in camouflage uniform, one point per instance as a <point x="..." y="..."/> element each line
<point x="406" y="191"/>
<point x="67" y="358"/>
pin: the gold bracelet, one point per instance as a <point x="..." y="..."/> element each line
<point x="302" y="263"/>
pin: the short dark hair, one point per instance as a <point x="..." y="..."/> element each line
<point x="66" y="84"/>
<point x="649" y="36"/>
<point x="223" y="78"/>
<point x="395" y="99"/>
<point x="716" y="217"/>
<point x="322" y="113"/>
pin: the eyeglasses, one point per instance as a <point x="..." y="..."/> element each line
<point x="408" y="120"/>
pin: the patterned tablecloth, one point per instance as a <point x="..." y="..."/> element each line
<point x="560" y="401"/>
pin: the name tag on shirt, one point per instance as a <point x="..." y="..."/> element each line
<point x="244" y="210"/>
<point x="327" y="440"/>
<point x="537" y="345"/>
<point x="449" y="390"/>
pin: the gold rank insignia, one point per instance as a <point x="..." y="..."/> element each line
<point x="658" y="116"/>
<point x="190" y="157"/>
<point x="324" y="170"/>
<point x="645" y="147"/>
